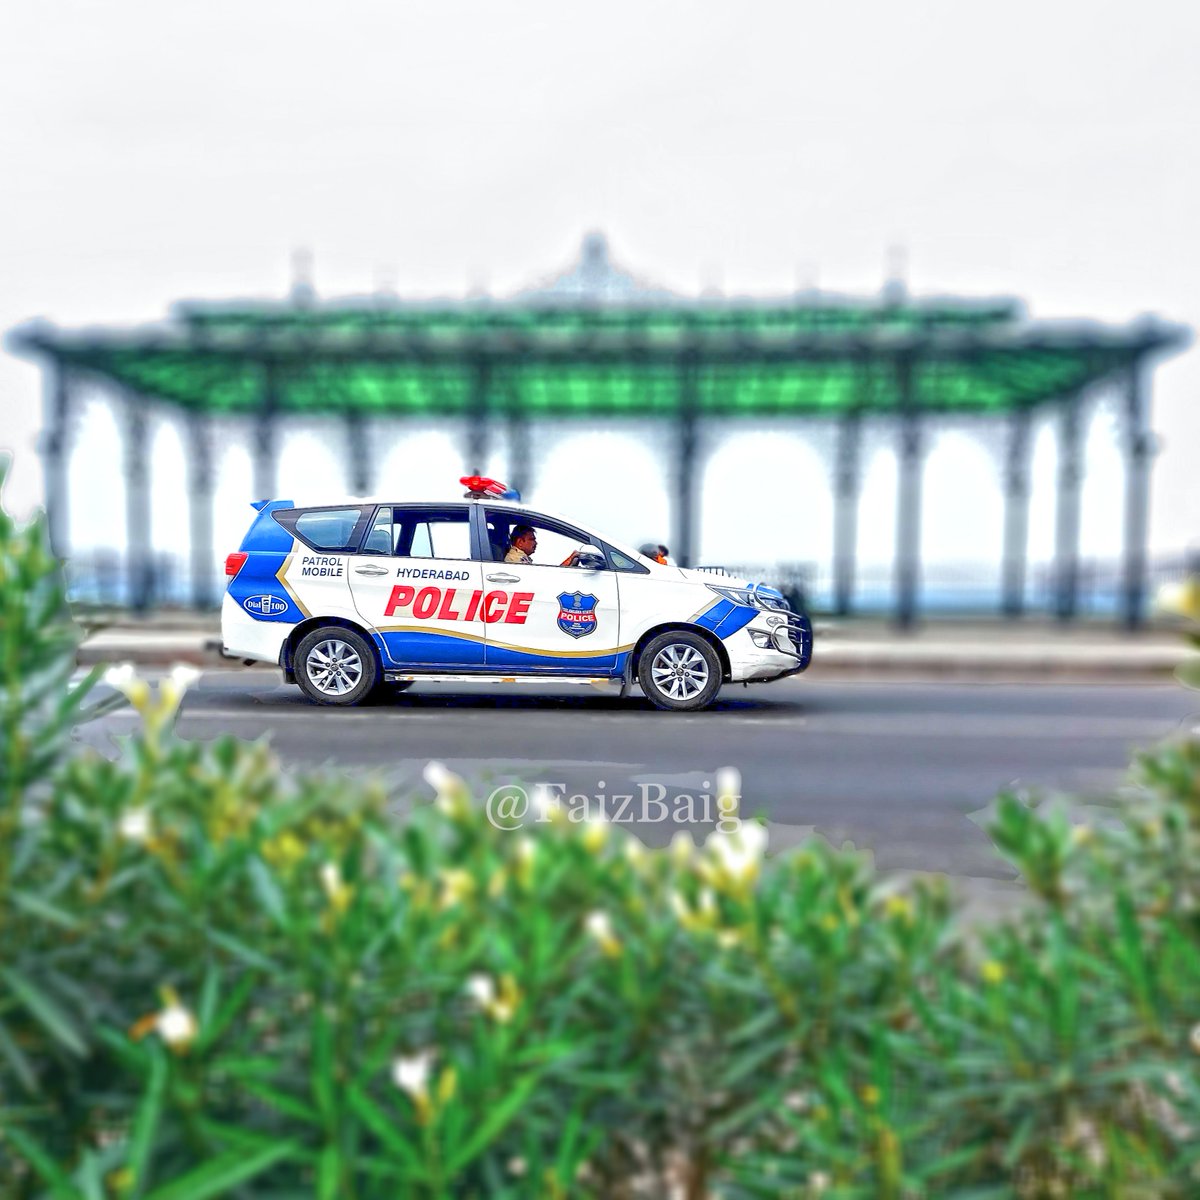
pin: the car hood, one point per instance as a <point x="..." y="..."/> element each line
<point x="713" y="575"/>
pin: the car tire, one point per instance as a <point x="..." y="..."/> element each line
<point x="680" y="671"/>
<point x="335" y="665"/>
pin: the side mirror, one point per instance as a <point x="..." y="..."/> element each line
<point x="590" y="558"/>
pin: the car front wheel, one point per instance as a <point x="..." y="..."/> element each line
<point x="680" y="671"/>
<point x="335" y="666"/>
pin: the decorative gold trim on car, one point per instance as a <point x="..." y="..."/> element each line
<point x="287" y="562"/>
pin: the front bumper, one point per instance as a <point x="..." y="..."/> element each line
<point x="773" y="646"/>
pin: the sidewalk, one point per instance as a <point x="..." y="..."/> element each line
<point x="1022" y="650"/>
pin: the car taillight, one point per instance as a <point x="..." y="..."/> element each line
<point x="234" y="561"/>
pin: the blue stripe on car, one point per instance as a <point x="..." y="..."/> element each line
<point x="406" y="648"/>
<point x="258" y="591"/>
<point x="725" y="617"/>
<point x="739" y="618"/>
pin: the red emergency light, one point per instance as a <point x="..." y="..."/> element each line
<point x="481" y="485"/>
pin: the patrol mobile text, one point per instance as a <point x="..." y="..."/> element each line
<point x="353" y="597"/>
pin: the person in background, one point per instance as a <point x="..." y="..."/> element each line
<point x="654" y="551"/>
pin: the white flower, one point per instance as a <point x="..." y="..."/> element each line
<point x="120" y="676"/>
<point x="170" y="692"/>
<point x="682" y="847"/>
<point x="134" y="825"/>
<point x="331" y="879"/>
<point x="599" y="926"/>
<point x="596" y="831"/>
<point x="819" y="1181"/>
<point x="125" y="679"/>
<point x="182" y="676"/>
<point x="737" y="855"/>
<point x="1194" y="1038"/>
<point x="176" y="1025"/>
<point x="729" y="786"/>
<point x="450" y="790"/>
<point x="482" y="989"/>
<point x="546" y="804"/>
<point x="501" y="1005"/>
<point x="411" y="1074"/>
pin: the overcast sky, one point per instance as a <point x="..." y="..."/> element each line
<point x="153" y="151"/>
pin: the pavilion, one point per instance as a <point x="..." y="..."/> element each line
<point x="596" y="345"/>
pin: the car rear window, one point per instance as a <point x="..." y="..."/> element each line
<point x="333" y="530"/>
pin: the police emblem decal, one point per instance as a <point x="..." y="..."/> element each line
<point x="577" y="613"/>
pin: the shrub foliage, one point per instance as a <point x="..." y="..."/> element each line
<point x="217" y="979"/>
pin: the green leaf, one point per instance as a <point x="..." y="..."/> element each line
<point x="145" y="1126"/>
<point x="60" y="1185"/>
<point x="17" y="1060"/>
<point x="37" y="907"/>
<point x="384" y="1128"/>
<point x="221" y="1175"/>
<point x="492" y="1125"/>
<point x="45" y="1011"/>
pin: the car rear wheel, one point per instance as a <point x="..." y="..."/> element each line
<point x="680" y="671"/>
<point x="335" y="666"/>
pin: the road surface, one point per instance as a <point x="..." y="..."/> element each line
<point x="906" y="769"/>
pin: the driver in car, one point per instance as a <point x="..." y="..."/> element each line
<point x="522" y="543"/>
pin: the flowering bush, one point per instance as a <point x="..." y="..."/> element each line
<point x="217" y="979"/>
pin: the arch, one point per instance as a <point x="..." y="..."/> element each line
<point x="419" y="466"/>
<point x="876" y="530"/>
<point x="766" y="500"/>
<point x="1102" y="509"/>
<point x="231" y="497"/>
<point x="96" y="484"/>
<point x="1043" y="507"/>
<point x="609" y="480"/>
<point x="170" y="525"/>
<point x="312" y="466"/>
<point x="962" y="531"/>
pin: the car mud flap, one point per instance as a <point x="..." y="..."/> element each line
<point x="626" y="677"/>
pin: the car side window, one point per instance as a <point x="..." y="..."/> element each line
<point x="332" y="530"/>
<point x="428" y="532"/>
<point x="556" y="542"/>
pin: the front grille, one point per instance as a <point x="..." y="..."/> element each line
<point x="799" y="629"/>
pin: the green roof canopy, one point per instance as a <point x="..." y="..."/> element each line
<point x="575" y="357"/>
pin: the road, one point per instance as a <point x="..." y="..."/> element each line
<point x="906" y="769"/>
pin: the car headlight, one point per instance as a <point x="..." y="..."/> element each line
<point x="752" y="597"/>
<point x="735" y="595"/>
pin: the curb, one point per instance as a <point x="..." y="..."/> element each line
<point x="837" y="660"/>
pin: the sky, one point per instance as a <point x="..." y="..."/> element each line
<point x="151" y="152"/>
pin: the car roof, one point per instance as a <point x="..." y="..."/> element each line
<point x="515" y="506"/>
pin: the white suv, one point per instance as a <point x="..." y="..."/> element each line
<point x="348" y="597"/>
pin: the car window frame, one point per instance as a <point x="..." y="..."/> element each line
<point x="286" y="519"/>
<point x="419" y="506"/>
<point x="557" y="525"/>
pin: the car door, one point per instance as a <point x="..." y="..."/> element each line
<point x="417" y="585"/>
<point x="559" y="620"/>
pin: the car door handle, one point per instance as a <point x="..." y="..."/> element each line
<point x="370" y="570"/>
<point x="504" y="579"/>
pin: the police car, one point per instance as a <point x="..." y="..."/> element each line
<point x="350" y="597"/>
